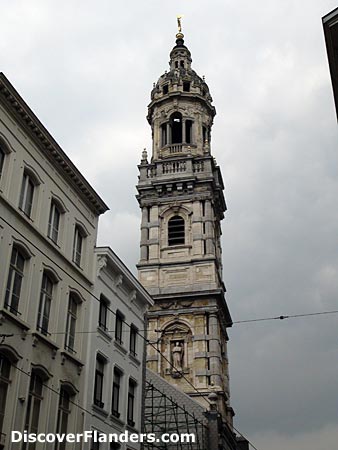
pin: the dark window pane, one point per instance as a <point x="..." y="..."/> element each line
<point x="176" y="231"/>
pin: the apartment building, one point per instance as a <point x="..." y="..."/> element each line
<point x="115" y="351"/>
<point x="48" y="228"/>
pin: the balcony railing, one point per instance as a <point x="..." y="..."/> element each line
<point x="171" y="150"/>
<point x="165" y="168"/>
<point x="173" y="167"/>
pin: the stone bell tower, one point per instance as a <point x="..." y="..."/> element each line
<point x="180" y="192"/>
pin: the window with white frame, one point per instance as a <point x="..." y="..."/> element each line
<point x="54" y="222"/>
<point x="33" y="408"/>
<point x="119" y="327"/>
<point x="14" y="281"/>
<point x="63" y="416"/>
<point x="5" y="369"/>
<point x="98" y="381"/>
<point x="103" y="312"/>
<point x="78" y="245"/>
<point x="131" y="403"/>
<point x="26" y="194"/>
<point x="71" y="323"/>
<point x="133" y="340"/>
<point x="46" y="296"/>
<point x="116" y="392"/>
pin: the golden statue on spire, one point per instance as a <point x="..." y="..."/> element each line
<point x="179" y="35"/>
<point x="179" y="24"/>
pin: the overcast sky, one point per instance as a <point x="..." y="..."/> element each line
<point x="87" y="68"/>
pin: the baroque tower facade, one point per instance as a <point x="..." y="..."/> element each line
<point x="180" y="193"/>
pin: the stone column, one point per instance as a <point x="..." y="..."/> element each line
<point x="144" y="234"/>
<point x="214" y="350"/>
<point x="209" y="228"/>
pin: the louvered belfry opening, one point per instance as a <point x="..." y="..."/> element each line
<point x="176" y="230"/>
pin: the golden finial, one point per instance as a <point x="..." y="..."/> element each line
<point x="179" y="35"/>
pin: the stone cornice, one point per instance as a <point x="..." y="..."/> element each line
<point x="17" y="107"/>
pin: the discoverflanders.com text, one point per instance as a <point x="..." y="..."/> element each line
<point x="97" y="436"/>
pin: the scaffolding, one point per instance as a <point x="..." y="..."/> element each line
<point x="162" y="414"/>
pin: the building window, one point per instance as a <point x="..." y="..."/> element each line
<point x="133" y="339"/>
<point x="54" y="222"/>
<point x="94" y="445"/>
<point x="71" y="323"/>
<point x="103" y="313"/>
<point x="116" y="393"/>
<point x="98" y="382"/>
<point x="186" y="86"/>
<point x="77" y="245"/>
<point x="131" y="403"/>
<point x="188" y="131"/>
<point x="63" y="416"/>
<point x="176" y="231"/>
<point x="165" y="89"/>
<point x="46" y="296"/>
<point x="14" y="281"/>
<point x="2" y="158"/>
<point x="164" y="134"/>
<point x="5" y="369"/>
<point x="26" y="195"/>
<point x="33" y="408"/>
<point x="114" y="446"/>
<point x="118" y="327"/>
<point x="176" y="128"/>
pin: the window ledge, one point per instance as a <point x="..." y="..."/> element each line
<point x="104" y="333"/>
<point x="6" y="314"/>
<point x="72" y="358"/>
<point x="99" y="410"/>
<point x="133" y="429"/>
<point x="116" y="420"/>
<point x="45" y="340"/>
<point x="175" y="247"/>
<point x="134" y="359"/>
<point x="120" y="347"/>
<point x="54" y="243"/>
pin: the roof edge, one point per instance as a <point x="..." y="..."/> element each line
<point x="19" y="108"/>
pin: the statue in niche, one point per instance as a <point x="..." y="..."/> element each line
<point x="177" y="358"/>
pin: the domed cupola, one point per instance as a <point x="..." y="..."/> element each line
<point x="181" y="111"/>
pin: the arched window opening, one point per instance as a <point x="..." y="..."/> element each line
<point x="182" y="64"/>
<point x="54" y="221"/>
<point x="79" y="236"/>
<point x="188" y="131"/>
<point x="164" y="134"/>
<point x="73" y="305"/>
<point x="26" y="194"/>
<point x="165" y="89"/>
<point x="176" y="231"/>
<point x="46" y="296"/>
<point x="64" y="411"/>
<point x="35" y="398"/>
<point x="176" y="128"/>
<point x="15" y="280"/>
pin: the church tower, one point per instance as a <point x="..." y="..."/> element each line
<point x="180" y="192"/>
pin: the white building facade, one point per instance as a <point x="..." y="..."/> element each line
<point x="115" y="351"/>
<point x="48" y="228"/>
